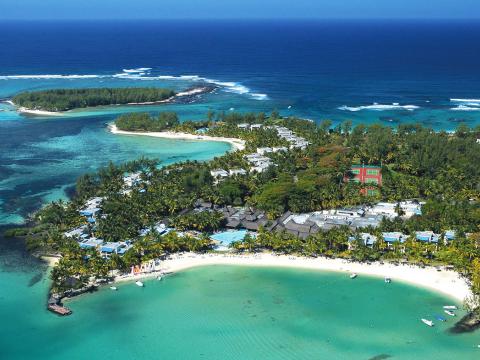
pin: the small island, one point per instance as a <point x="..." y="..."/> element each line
<point x="58" y="100"/>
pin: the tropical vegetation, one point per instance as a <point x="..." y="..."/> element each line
<point x="68" y="99"/>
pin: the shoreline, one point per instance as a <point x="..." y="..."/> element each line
<point x="236" y="144"/>
<point x="445" y="282"/>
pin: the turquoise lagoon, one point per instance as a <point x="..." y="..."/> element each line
<point x="222" y="312"/>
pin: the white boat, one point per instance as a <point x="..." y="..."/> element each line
<point x="388" y="280"/>
<point x="428" y="322"/>
<point x="139" y="283"/>
<point x="448" y="312"/>
<point x="159" y="278"/>
<point x="353" y="276"/>
<point x="114" y="288"/>
<point x="450" y="307"/>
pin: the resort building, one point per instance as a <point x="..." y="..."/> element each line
<point x="77" y="232"/>
<point x="427" y="236"/>
<point x="449" y="235"/>
<point x="393" y="237"/>
<point x="91" y="209"/>
<point x="110" y="248"/>
<point x="90" y="243"/>
<point x="234" y="172"/>
<point x="366" y="238"/>
<point x="405" y="209"/>
<point x="132" y="179"/>
<point x="264" y="150"/>
<point x="219" y="174"/>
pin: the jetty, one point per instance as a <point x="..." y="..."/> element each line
<point x="59" y="309"/>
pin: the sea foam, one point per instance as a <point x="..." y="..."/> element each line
<point x="379" y="107"/>
<point x="144" y="74"/>
<point x="466" y="108"/>
<point x="474" y="101"/>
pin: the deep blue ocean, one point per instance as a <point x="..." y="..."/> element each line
<point x="335" y="70"/>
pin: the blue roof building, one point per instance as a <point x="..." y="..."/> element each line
<point x="367" y="239"/>
<point x="115" y="248"/>
<point x="426" y="236"/>
<point x="392" y="237"/>
<point x="449" y="235"/>
<point x="90" y="243"/>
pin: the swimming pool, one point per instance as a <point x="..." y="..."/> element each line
<point x="227" y="237"/>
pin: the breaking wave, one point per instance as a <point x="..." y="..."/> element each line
<point x="144" y="74"/>
<point x="465" y="108"/>
<point x="379" y="107"/>
<point x="472" y="101"/>
<point x="466" y="104"/>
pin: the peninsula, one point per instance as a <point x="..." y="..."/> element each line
<point x="407" y="197"/>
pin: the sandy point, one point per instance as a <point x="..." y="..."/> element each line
<point x="236" y="144"/>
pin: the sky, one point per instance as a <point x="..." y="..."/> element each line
<point x="247" y="9"/>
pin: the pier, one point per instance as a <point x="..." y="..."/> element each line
<point x="59" y="309"/>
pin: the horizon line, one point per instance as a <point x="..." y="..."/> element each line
<point x="439" y="19"/>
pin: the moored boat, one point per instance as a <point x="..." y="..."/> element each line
<point x="448" y="312"/>
<point x="388" y="280"/>
<point x="428" y="322"/>
<point x="139" y="283"/>
<point x="114" y="288"/>
<point x="450" y="307"/>
<point x="440" y="318"/>
<point x="353" y="276"/>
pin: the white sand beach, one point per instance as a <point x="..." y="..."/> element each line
<point x="446" y="282"/>
<point x="237" y="144"/>
<point x="23" y="110"/>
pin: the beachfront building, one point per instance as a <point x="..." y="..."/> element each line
<point x="109" y="248"/>
<point x="243" y="126"/>
<point x="427" y="236"/>
<point x="366" y="238"/>
<point x="394" y="237"/>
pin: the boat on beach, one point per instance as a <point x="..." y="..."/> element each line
<point x="448" y="312"/>
<point x="139" y="283"/>
<point x="428" y="322"/>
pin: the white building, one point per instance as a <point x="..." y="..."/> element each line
<point x="234" y="172"/>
